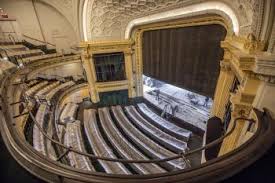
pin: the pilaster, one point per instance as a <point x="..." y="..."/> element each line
<point x="238" y="109"/>
<point x="129" y="73"/>
<point x="89" y="68"/>
<point x="242" y="104"/>
<point x="243" y="61"/>
<point x="225" y="80"/>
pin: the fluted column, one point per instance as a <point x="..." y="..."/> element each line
<point x="91" y="76"/>
<point x="242" y="102"/>
<point x="138" y="64"/>
<point x="231" y="142"/>
<point x="224" y="84"/>
<point x="129" y="73"/>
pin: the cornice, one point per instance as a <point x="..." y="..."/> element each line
<point x="265" y="64"/>
<point x="246" y="57"/>
<point x="248" y="45"/>
<point x="111" y="86"/>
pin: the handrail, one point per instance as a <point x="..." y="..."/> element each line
<point x="7" y="55"/>
<point x="180" y="155"/>
<point x="214" y="170"/>
<point x="44" y="42"/>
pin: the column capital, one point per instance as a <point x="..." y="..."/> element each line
<point x="265" y="64"/>
<point x="225" y="66"/>
<point x="241" y="103"/>
<point x="248" y="44"/>
<point x="85" y="56"/>
<point x="241" y="109"/>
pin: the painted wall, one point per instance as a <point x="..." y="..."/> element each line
<point x="26" y="19"/>
<point x="55" y="27"/>
<point x="9" y="31"/>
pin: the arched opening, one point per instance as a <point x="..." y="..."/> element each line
<point x="185" y="52"/>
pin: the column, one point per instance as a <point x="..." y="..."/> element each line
<point x="91" y="76"/>
<point x="222" y="92"/>
<point x="139" y="64"/>
<point x="129" y="73"/>
<point x="242" y="102"/>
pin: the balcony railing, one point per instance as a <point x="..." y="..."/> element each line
<point x="213" y="170"/>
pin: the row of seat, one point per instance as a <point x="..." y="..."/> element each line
<point x="73" y="138"/>
<point x="41" y="93"/>
<point x="68" y="113"/>
<point x="35" y="88"/>
<point x="52" y="93"/>
<point x="167" y="126"/>
<point x="155" y="133"/>
<point x="38" y="137"/>
<point x="125" y="148"/>
<point x="114" y="128"/>
<point x="39" y="142"/>
<point x="98" y="144"/>
<point x="21" y="54"/>
<point x="116" y="133"/>
<point x="150" y="147"/>
<point x="32" y="82"/>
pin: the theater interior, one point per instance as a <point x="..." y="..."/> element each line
<point x="126" y="91"/>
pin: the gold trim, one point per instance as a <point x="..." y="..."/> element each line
<point x="96" y="47"/>
<point x="137" y="35"/>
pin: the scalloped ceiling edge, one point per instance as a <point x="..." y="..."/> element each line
<point x="188" y="10"/>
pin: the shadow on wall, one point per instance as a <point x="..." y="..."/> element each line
<point x="44" y="22"/>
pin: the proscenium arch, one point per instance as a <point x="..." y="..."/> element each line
<point x="214" y="7"/>
<point x="138" y="31"/>
<point x="85" y="20"/>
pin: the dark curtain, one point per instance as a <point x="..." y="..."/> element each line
<point x="187" y="57"/>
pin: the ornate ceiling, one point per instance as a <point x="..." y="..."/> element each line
<point x="108" y="19"/>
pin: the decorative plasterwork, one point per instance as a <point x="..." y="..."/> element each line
<point x="192" y="10"/>
<point x="245" y="10"/>
<point x="271" y="45"/>
<point x="246" y="56"/>
<point x="109" y="19"/>
<point x="248" y="44"/>
<point x="242" y="101"/>
<point x="258" y="17"/>
<point x="265" y="64"/>
<point x="266" y="78"/>
<point x="107" y="46"/>
<point x="243" y="52"/>
<point x="225" y="66"/>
